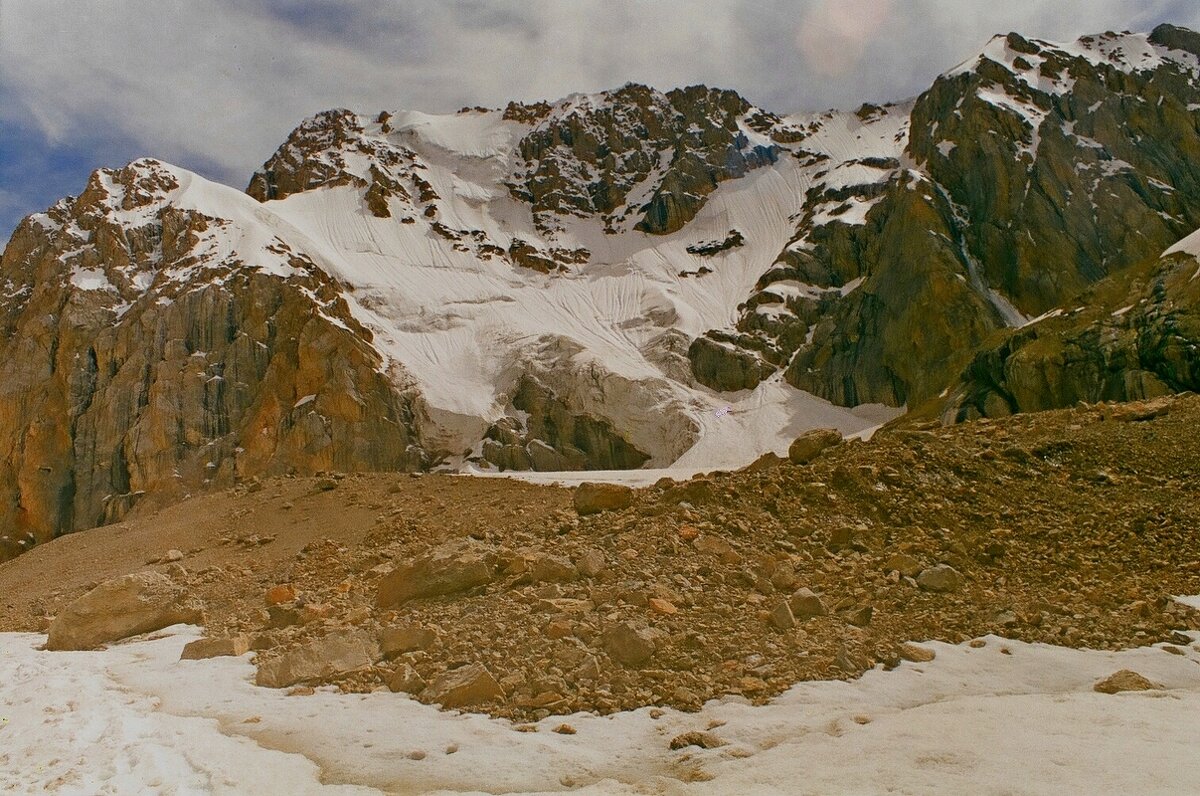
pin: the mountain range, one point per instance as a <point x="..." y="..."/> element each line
<point x="629" y="279"/>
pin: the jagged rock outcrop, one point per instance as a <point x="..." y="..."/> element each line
<point x="144" y="353"/>
<point x="723" y="367"/>
<point x="1135" y="335"/>
<point x="637" y="153"/>
<point x="553" y="437"/>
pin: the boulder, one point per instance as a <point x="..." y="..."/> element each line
<point x="231" y="646"/>
<point x="805" y="604"/>
<point x="441" y="573"/>
<point x="463" y="687"/>
<point x="593" y="498"/>
<point x="629" y="644"/>
<point x="810" y="444"/>
<point x="120" y="608"/>
<point x="333" y="654"/>
<point x="1124" y="680"/>
<point x="942" y="578"/>
<point x="399" y="639"/>
<point x="405" y="679"/>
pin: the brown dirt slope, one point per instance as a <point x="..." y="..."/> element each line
<point x="1073" y="527"/>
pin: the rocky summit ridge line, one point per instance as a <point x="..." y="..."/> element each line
<point x="582" y="284"/>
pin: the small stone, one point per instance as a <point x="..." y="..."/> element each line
<point x="782" y="617"/>
<point x="661" y="606"/>
<point x="406" y="680"/>
<point x="464" y="687"/>
<point x="860" y="617"/>
<point x="326" y="485"/>
<point x="840" y="537"/>
<point x="714" y="545"/>
<point x="977" y="643"/>
<point x="173" y="555"/>
<point x="593" y="498"/>
<point x="810" y="444"/>
<point x="805" y="604"/>
<point x="399" y="639"/>
<point x="278" y="595"/>
<point x="689" y="533"/>
<point x="942" y="578"/>
<point x="281" y="616"/>
<point x="552" y="569"/>
<point x="916" y="654"/>
<point x="628" y="644"/>
<point x="591" y="563"/>
<point x="903" y="563"/>
<point x="1124" y="680"/>
<point x="705" y="740"/>
<point x="311" y="612"/>
<point x="203" y="648"/>
<point x="559" y="628"/>
<point x="588" y="670"/>
<point x="416" y="754"/>
<point x="565" y="729"/>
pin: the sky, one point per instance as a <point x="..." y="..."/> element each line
<point x="216" y="85"/>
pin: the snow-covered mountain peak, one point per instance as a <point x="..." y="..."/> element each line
<point x="1042" y="63"/>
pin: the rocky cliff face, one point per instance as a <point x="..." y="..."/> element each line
<point x="143" y="355"/>
<point x="1028" y="174"/>
<point x="1134" y="335"/>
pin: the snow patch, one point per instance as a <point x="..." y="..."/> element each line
<point x="134" y="718"/>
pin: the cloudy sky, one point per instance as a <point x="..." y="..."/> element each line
<point x="216" y="86"/>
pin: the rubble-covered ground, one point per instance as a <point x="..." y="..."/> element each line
<point x="1072" y="527"/>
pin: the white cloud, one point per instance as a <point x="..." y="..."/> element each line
<point x="221" y="83"/>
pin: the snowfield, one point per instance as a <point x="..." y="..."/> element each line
<point x="1008" y="718"/>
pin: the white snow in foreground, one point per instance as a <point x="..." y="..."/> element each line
<point x="135" y="718"/>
